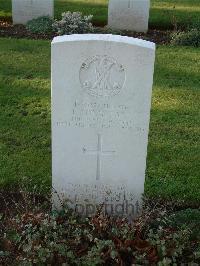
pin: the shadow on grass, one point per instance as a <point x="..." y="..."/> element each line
<point x="161" y="18"/>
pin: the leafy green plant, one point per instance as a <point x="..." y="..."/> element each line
<point x="73" y="22"/>
<point x="41" y="237"/>
<point x="194" y="25"/>
<point x="40" y="25"/>
<point x="188" y="38"/>
<point x="170" y="243"/>
<point x="189" y="218"/>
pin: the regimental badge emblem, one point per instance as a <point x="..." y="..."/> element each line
<point x="102" y="76"/>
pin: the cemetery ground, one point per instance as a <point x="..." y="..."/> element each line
<point x="168" y="229"/>
<point x="172" y="175"/>
<point x="163" y="14"/>
<point x="172" y="165"/>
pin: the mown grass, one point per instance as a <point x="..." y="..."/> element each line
<point x="173" y="168"/>
<point x="173" y="155"/>
<point x="25" y="111"/>
<point x="164" y="14"/>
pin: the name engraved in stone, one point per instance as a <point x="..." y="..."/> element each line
<point x="100" y="115"/>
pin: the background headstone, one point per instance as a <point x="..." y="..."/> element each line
<point x="129" y="15"/>
<point x="25" y="10"/>
<point x="101" y="97"/>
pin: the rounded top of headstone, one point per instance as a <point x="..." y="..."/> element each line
<point x="104" y="37"/>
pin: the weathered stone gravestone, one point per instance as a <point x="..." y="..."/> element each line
<point x="129" y="15"/>
<point x="25" y="10"/>
<point x="101" y="97"/>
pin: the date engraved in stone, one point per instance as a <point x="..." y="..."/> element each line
<point x="102" y="76"/>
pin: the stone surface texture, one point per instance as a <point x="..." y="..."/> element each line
<point x="25" y="10"/>
<point x="101" y="97"/>
<point x="129" y="15"/>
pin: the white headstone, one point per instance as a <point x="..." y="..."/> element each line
<point x="25" y="10"/>
<point x="101" y="97"/>
<point x="129" y="15"/>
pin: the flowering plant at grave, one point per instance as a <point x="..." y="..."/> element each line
<point x="73" y="22"/>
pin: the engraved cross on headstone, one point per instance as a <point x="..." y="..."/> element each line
<point x="99" y="152"/>
<point x="130" y="4"/>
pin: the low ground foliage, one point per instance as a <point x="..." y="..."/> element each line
<point x="44" y="32"/>
<point x="32" y="235"/>
<point x="73" y="23"/>
<point x="40" y="25"/>
<point x="167" y="14"/>
<point x="188" y="38"/>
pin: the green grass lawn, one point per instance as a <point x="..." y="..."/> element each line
<point x="173" y="168"/>
<point x="163" y="14"/>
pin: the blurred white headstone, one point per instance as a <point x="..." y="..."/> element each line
<point x="25" y="10"/>
<point x="129" y="15"/>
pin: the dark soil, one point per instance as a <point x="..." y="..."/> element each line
<point x="14" y="201"/>
<point x="7" y="29"/>
<point x="11" y="203"/>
